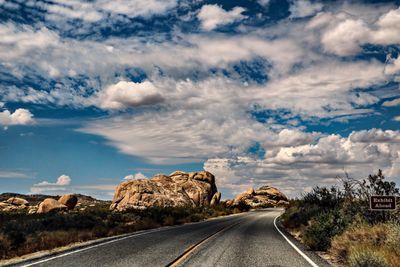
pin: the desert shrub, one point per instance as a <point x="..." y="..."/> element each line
<point x="366" y="258"/>
<point x="382" y="238"/>
<point x="355" y="235"/>
<point x="168" y="220"/>
<point x="393" y="238"/>
<point x="322" y="228"/>
<point x="22" y="233"/>
<point x="5" y="245"/>
<point x="326" y="198"/>
<point x="296" y="216"/>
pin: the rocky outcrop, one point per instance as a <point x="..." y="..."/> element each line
<point x="17" y="201"/>
<point x="51" y="205"/>
<point x="13" y="204"/>
<point x="69" y="200"/>
<point x="265" y="196"/>
<point x="177" y="189"/>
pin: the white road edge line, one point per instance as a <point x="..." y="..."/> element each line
<point x="90" y="247"/>
<point x="294" y="246"/>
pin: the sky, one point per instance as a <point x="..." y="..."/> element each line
<point x="291" y="94"/>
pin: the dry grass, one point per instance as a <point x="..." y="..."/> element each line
<point x="22" y="233"/>
<point x="380" y="240"/>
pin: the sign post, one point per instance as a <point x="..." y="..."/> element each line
<point x="382" y="202"/>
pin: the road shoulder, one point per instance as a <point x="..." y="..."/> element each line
<point x="309" y="253"/>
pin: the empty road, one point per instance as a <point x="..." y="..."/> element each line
<point x="248" y="239"/>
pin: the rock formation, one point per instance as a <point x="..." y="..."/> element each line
<point x="265" y="196"/>
<point x="17" y="201"/>
<point x="13" y="204"/>
<point x="69" y="200"/>
<point x="51" y="205"/>
<point x="178" y="189"/>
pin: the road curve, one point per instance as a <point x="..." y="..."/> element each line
<point x="247" y="239"/>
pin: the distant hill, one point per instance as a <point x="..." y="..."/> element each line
<point x="37" y="198"/>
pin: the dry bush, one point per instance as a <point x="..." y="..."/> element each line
<point x="363" y="233"/>
<point x="381" y="239"/>
<point x="22" y="233"/>
<point x="5" y="246"/>
<point x="365" y="257"/>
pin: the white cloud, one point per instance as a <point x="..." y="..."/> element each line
<point x="323" y="90"/>
<point x="16" y="41"/>
<point x="20" y="116"/>
<point x="346" y="37"/>
<point x="75" y="10"/>
<point x="101" y="9"/>
<point x="186" y="129"/>
<point x="213" y="16"/>
<point x="61" y="181"/>
<point x="264" y="3"/>
<point x="13" y="174"/>
<point x="304" y="8"/>
<point x="392" y="103"/>
<point x="345" y="34"/>
<point x="61" y="185"/>
<point x="297" y="167"/>
<point x="137" y="7"/>
<point x="375" y="136"/>
<point x="136" y="176"/>
<point x="393" y="67"/>
<point x="128" y="94"/>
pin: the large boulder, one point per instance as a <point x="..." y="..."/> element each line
<point x="265" y="196"/>
<point x="69" y="200"/>
<point x="4" y="206"/>
<point x="17" y="201"/>
<point x="51" y="205"/>
<point x="177" y="189"/>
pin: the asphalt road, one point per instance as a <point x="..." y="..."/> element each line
<point x="248" y="239"/>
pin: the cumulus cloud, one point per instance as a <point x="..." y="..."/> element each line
<point x="20" y="116"/>
<point x="297" y="167"/>
<point x="345" y="35"/>
<point x="393" y="66"/>
<point x="61" y="181"/>
<point x="375" y="136"/>
<point x="63" y="186"/>
<point x="129" y="94"/>
<point x="189" y="129"/>
<point x="60" y="185"/>
<point x="304" y="8"/>
<point x="213" y="16"/>
<point x="136" y="176"/>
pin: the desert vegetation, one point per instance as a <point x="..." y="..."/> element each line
<point x="22" y="233"/>
<point x="338" y="220"/>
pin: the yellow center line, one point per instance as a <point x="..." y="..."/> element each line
<point x="192" y="248"/>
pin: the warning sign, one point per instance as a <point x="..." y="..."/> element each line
<point x="383" y="202"/>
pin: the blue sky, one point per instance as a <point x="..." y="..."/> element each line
<point x="284" y="93"/>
